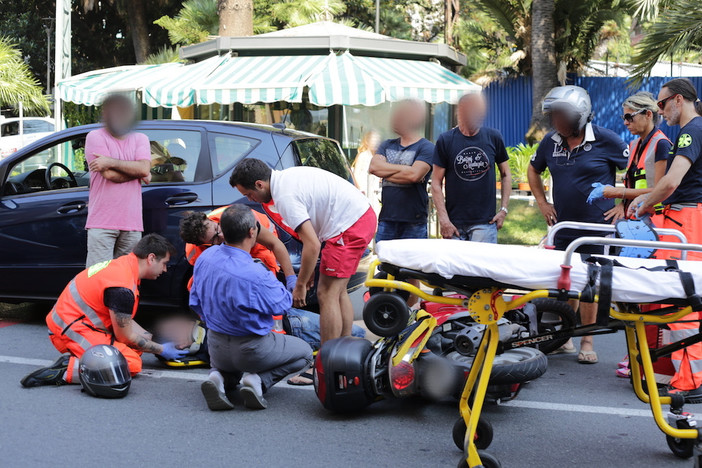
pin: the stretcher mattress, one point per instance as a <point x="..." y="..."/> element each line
<point x="531" y="268"/>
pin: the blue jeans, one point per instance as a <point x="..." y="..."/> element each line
<point x="477" y="233"/>
<point x="305" y="324"/>
<point x="389" y="230"/>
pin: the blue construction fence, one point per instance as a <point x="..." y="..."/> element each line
<point x="510" y="104"/>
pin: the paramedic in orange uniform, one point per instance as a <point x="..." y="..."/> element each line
<point x="680" y="191"/>
<point x="98" y="307"/>
<point x="200" y="231"/>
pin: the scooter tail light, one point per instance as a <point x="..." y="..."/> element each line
<point x="320" y="383"/>
<point x="402" y="376"/>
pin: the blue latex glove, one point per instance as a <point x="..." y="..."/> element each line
<point x="290" y="282"/>
<point x="171" y="353"/>
<point x="597" y="192"/>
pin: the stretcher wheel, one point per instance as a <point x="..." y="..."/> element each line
<point x="682" y="448"/>
<point x="483" y="434"/>
<point x="386" y="314"/>
<point x="489" y="460"/>
<point x="553" y="315"/>
<point x="382" y="275"/>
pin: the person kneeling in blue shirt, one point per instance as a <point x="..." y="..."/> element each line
<point x="236" y="297"/>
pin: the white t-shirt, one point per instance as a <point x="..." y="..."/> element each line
<point x="329" y="202"/>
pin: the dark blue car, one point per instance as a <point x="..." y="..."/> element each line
<point x="44" y="198"/>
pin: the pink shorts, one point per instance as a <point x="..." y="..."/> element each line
<point x="342" y="254"/>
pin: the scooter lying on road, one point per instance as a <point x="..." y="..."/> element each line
<point x="432" y="356"/>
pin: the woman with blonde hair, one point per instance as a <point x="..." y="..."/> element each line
<point x="648" y="154"/>
<point x="367" y="182"/>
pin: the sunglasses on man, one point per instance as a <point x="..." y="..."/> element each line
<point x="663" y="102"/>
<point x="629" y="117"/>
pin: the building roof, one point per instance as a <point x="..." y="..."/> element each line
<point x="325" y="28"/>
<point x="321" y="38"/>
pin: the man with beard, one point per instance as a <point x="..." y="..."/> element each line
<point x="119" y="160"/>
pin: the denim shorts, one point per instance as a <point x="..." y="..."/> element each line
<point x="390" y="230"/>
<point x="478" y="233"/>
<point x="305" y="325"/>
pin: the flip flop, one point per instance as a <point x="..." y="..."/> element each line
<point x="305" y="375"/>
<point x="583" y="355"/>
<point x="563" y="350"/>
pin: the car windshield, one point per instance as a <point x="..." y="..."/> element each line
<point x="324" y="154"/>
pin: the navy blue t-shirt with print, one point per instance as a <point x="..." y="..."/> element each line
<point x="405" y="203"/>
<point x="689" y="145"/>
<point x="596" y="159"/>
<point x="470" y="173"/>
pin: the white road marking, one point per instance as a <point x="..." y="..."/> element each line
<point x="542" y="405"/>
<point x="190" y="374"/>
<point x="201" y="377"/>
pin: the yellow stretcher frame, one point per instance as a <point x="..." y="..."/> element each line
<point x="487" y="307"/>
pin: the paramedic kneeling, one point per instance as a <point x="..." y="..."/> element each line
<point x="237" y="297"/>
<point x="680" y="190"/>
<point x="98" y="307"/>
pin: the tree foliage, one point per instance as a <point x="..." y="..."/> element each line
<point x="500" y="32"/>
<point x="17" y="84"/>
<point x="676" y="30"/>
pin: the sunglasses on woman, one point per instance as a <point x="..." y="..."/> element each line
<point x="663" y="102"/>
<point x="629" y="117"/>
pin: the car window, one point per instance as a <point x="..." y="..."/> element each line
<point x="9" y="128"/>
<point x="227" y="150"/>
<point x="324" y="154"/>
<point x="37" y="126"/>
<point x="174" y="155"/>
<point x="68" y="169"/>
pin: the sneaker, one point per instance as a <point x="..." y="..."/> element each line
<point x="215" y="399"/>
<point x="251" y="392"/>
<point x="691" y="396"/>
<point x="52" y="375"/>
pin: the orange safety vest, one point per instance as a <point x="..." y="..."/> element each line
<point x="644" y="175"/>
<point x="272" y="212"/>
<point x="192" y="251"/>
<point x="83" y="298"/>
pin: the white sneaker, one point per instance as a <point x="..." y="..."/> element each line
<point x="251" y="391"/>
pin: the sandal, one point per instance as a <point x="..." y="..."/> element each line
<point x="563" y="350"/>
<point x="586" y="357"/>
<point x="303" y="375"/>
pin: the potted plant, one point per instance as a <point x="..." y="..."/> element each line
<point x="519" y="160"/>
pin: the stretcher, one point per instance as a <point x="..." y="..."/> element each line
<point x="483" y="272"/>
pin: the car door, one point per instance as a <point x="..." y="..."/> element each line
<point x="42" y="227"/>
<point x="181" y="180"/>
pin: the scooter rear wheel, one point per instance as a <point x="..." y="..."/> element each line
<point x="483" y="434"/>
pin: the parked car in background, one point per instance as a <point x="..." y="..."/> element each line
<point x="44" y="198"/>
<point x="17" y="133"/>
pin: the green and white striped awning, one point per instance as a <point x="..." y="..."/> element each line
<point x="249" y="80"/>
<point x="343" y="79"/>
<point x="91" y="88"/>
<point x="177" y="89"/>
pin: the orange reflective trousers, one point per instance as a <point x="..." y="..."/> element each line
<point x="687" y="361"/>
<point x="81" y="336"/>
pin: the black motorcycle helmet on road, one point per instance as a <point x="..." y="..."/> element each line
<point x="103" y="372"/>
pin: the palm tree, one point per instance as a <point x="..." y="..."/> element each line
<point x="17" y="83"/>
<point x="543" y="63"/>
<point x="541" y="38"/>
<point x="235" y="17"/>
<point x="676" y="30"/>
<point x="195" y="22"/>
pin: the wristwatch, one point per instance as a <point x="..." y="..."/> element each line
<point x="505" y="210"/>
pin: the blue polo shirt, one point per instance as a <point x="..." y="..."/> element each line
<point x="470" y="173"/>
<point x="689" y="145"/>
<point x="405" y="203"/>
<point x="235" y="295"/>
<point x="596" y="159"/>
